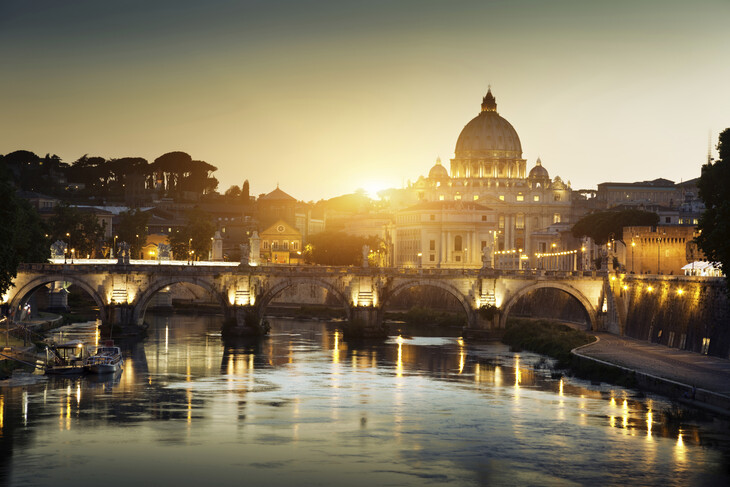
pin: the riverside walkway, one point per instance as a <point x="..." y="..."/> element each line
<point x="678" y="369"/>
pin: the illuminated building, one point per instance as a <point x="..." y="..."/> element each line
<point x="487" y="170"/>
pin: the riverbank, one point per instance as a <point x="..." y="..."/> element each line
<point x="690" y="378"/>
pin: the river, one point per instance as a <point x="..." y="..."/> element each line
<point x="303" y="407"/>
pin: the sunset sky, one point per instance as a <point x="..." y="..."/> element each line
<point x="324" y="97"/>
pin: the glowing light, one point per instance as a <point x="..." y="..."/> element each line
<point x="373" y="187"/>
<point x="680" y="291"/>
<point x="649" y="288"/>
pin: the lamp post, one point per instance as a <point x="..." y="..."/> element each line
<point x="190" y="251"/>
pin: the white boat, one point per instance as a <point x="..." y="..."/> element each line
<point x="105" y="360"/>
<point x="66" y="358"/>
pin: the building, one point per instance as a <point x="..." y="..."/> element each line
<point x="443" y="234"/>
<point x="281" y="243"/>
<point x="488" y="169"/>
<point x="664" y="249"/>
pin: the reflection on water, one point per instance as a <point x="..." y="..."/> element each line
<point x="304" y="407"/>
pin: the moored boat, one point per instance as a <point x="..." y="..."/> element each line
<point x="105" y="360"/>
<point x="66" y="358"/>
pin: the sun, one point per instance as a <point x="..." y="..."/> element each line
<point x="373" y="187"/>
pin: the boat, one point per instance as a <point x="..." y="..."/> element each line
<point x="106" y="359"/>
<point x="66" y="358"/>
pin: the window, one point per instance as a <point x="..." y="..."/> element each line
<point x="484" y="218"/>
<point x="668" y="219"/>
<point x="457" y="243"/>
<point x="536" y="197"/>
<point x="501" y="221"/>
<point x="520" y="197"/>
<point x="441" y="197"/>
<point x="520" y="221"/>
<point x="285" y="245"/>
<point x="476" y="197"/>
<point x="556" y="218"/>
<point x="432" y="258"/>
<point x="556" y="196"/>
<point x="432" y="217"/>
<point x="265" y="244"/>
<point x="432" y="245"/>
<point x="457" y="197"/>
<point x="457" y="258"/>
<point x="295" y="245"/>
<point x="501" y="197"/>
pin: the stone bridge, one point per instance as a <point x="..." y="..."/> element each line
<point x="123" y="292"/>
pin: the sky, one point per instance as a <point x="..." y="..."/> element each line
<point x="325" y="97"/>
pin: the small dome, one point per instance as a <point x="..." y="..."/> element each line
<point x="538" y="172"/>
<point x="438" y="171"/>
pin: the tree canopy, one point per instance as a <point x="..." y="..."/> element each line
<point x="132" y="228"/>
<point x="714" y="224"/>
<point x="601" y="225"/>
<point x="24" y="238"/>
<point x="80" y="230"/>
<point x="195" y="237"/>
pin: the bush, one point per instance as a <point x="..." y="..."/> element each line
<point x="546" y="337"/>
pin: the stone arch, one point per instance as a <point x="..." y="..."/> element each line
<point x="579" y="296"/>
<point x="263" y="301"/>
<point x="402" y="286"/>
<point x="143" y="300"/>
<point x="22" y="294"/>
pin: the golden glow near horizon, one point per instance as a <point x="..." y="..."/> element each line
<point x="313" y="87"/>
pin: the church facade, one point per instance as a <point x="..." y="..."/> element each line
<point x="487" y="199"/>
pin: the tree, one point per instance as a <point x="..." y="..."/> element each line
<point x="601" y="225"/>
<point x="193" y="240"/>
<point x="714" y="224"/>
<point x="80" y="230"/>
<point x="132" y="229"/>
<point x="26" y="242"/>
<point x="338" y="248"/>
<point x="234" y="192"/>
<point x="245" y="193"/>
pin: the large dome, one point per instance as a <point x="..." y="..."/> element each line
<point x="488" y="133"/>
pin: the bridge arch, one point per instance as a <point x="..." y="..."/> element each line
<point x="575" y="293"/>
<point x="140" y="306"/>
<point x="23" y="294"/>
<point x="269" y="294"/>
<point x="404" y="285"/>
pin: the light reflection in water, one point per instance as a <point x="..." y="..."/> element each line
<point x="462" y="355"/>
<point x="359" y="410"/>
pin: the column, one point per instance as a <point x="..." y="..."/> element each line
<point x="442" y="248"/>
<point x="448" y="246"/>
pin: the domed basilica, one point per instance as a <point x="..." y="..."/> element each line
<point x="487" y="200"/>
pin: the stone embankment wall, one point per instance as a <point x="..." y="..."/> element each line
<point x="689" y="313"/>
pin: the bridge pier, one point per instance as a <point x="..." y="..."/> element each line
<point x="122" y="315"/>
<point x="366" y="322"/>
<point x="245" y="321"/>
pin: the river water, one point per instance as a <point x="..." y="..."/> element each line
<point x="303" y="407"/>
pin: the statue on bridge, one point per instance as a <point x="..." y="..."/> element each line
<point x="163" y="251"/>
<point x="486" y="258"/>
<point x="123" y="253"/>
<point x="245" y="253"/>
<point x="58" y="249"/>
<point x="365" y="252"/>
